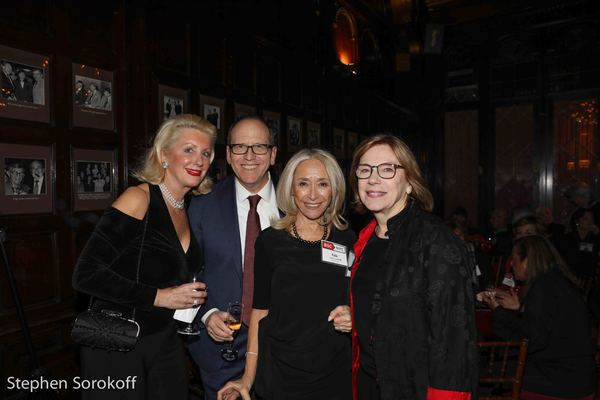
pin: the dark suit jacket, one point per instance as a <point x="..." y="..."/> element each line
<point x="213" y="218"/>
<point x="30" y="182"/>
<point x="24" y="91"/>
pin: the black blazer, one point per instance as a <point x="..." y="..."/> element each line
<point x="424" y="333"/>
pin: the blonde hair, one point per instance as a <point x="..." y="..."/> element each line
<point x="285" y="200"/>
<point x="151" y="171"/>
<point x="420" y="194"/>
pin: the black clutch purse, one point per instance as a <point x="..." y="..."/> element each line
<point x="107" y="329"/>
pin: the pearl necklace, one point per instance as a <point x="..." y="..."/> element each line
<point x="311" y="242"/>
<point x="176" y="204"/>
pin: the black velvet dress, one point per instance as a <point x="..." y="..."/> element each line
<point x="107" y="265"/>
<point x="301" y="355"/>
<point x="107" y="270"/>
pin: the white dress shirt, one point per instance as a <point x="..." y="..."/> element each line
<point x="266" y="208"/>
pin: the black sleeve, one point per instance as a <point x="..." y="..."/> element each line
<point x="508" y="324"/>
<point x="263" y="272"/>
<point x="450" y="301"/>
<point x="535" y="322"/>
<point x="94" y="274"/>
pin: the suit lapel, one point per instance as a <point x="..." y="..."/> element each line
<point x="231" y="223"/>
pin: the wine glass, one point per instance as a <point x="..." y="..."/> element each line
<point x="189" y="328"/>
<point x="233" y="322"/>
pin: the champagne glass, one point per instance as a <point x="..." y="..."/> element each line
<point x="189" y="328"/>
<point x="233" y="322"/>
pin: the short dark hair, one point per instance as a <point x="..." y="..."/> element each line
<point x="247" y="118"/>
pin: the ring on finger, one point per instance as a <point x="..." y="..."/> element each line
<point x="195" y="302"/>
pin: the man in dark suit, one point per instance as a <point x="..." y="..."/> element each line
<point x="8" y="83"/>
<point x="80" y="95"/>
<point x="219" y="221"/>
<point x="23" y="87"/>
<point x="37" y="180"/>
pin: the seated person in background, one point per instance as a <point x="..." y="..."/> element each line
<point x="500" y="236"/>
<point x="555" y="231"/>
<point x="460" y="216"/>
<point x="581" y="246"/>
<point x="526" y="225"/>
<point x="553" y="316"/>
<point x="482" y="278"/>
<point x="580" y="195"/>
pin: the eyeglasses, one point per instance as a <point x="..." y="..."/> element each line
<point x="259" y="149"/>
<point x="385" y="170"/>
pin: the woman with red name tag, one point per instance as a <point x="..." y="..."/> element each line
<point x="298" y="342"/>
<point x="411" y="292"/>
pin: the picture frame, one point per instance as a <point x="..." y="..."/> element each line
<point x="273" y="121"/>
<point x="93" y="102"/>
<point x="213" y="110"/>
<point x="93" y="178"/>
<point x="242" y="110"/>
<point x="27" y="179"/>
<point x="25" y="85"/>
<point x="294" y="134"/>
<point x="339" y="143"/>
<point x="172" y="101"/>
<point x="351" y="144"/>
<point x="313" y="134"/>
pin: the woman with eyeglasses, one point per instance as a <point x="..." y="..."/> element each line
<point x="411" y="296"/>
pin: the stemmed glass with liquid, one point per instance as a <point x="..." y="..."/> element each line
<point x="189" y="328"/>
<point x="233" y="322"/>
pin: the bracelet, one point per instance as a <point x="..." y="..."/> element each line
<point x="252" y="353"/>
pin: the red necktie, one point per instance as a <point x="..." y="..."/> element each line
<point x="252" y="231"/>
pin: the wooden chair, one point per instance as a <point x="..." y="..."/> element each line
<point x="502" y="369"/>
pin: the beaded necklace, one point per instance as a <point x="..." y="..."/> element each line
<point x="311" y="242"/>
<point x="176" y="204"/>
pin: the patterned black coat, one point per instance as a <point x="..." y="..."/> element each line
<point x="424" y="320"/>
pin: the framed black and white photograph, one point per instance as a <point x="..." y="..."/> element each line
<point x="273" y="121"/>
<point x="313" y="134"/>
<point x="294" y="134"/>
<point x="213" y="109"/>
<point x="94" y="178"/>
<point x="243" y="110"/>
<point x="26" y="179"/>
<point x="339" y="143"/>
<point x="25" y="87"/>
<point x="172" y="101"/>
<point x="351" y="144"/>
<point x="92" y="97"/>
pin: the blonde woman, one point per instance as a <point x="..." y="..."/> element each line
<point x="175" y="165"/>
<point x="298" y="342"/>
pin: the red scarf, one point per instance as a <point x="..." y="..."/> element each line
<point x="359" y="246"/>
